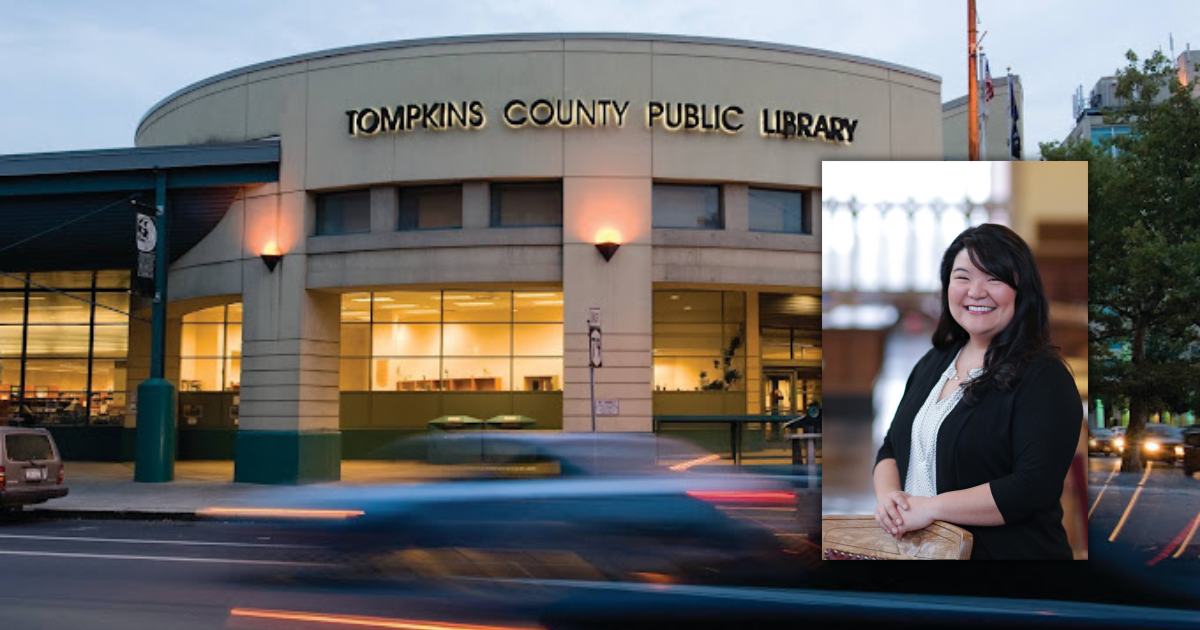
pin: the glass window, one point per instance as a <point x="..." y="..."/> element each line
<point x="12" y="308"/>
<point x="56" y="308"/>
<point x="699" y="340"/>
<point x="110" y="341"/>
<point x="431" y="207"/>
<point x="210" y="350"/>
<point x="457" y="340"/>
<point x="407" y="306"/>
<point x="118" y="301"/>
<point x="62" y="279"/>
<point x="526" y="204"/>
<point x="778" y="211"/>
<point x="477" y="306"/>
<point x="688" y="207"/>
<point x="10" y="341"/>
<point x="344" y="212"/>
<point x="12" y="280"/>
<point x="116" y="279"/>
<point x="53" y="340"/>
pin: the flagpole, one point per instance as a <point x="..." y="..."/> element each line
<point x="1011" y="100"/>
<point x="972" y="87"/>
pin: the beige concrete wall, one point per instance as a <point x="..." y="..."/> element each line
<point x="607" y="172"/>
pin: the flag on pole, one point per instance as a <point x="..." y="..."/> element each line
<point x="1014" y="136"/>
<point x="989" y="91"/>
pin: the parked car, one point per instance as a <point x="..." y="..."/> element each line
<point x="558" y="505"/>
<point x="31" y="469"/>
<point x="1162" y="442"/>
<point x="1191" y="450"/>
<point x="1101" y="441"/>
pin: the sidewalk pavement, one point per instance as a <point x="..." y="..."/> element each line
<point x="104" y="489"/>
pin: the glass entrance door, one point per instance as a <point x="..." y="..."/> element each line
<point x="779" y="396"/>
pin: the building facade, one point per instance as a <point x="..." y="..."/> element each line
<point x="438" y="207"/>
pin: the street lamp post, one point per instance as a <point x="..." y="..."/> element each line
<point x="156" y="395"/>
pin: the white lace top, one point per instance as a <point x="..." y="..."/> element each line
<point x="921" y="480"/>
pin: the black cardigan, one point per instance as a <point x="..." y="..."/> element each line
<point x="1021" y="441"/>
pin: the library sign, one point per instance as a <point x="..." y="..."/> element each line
<point x="543" y="113"/>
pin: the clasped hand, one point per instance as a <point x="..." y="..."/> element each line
<point x="898" y="512"/>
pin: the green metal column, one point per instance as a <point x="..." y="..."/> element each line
<point x="156" y="395"/>
<point x="1100" y="413"/>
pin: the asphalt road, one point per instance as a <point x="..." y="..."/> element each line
<point x="1153" y="515"/>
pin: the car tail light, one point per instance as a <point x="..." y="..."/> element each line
<point x="62" y="473"/>
<point x="744" y="497"/>
<point x="3" y="480"/>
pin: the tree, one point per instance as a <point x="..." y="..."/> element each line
<point x="1144" y="247"/>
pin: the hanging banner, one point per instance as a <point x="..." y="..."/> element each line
<point x="146" y="239"/>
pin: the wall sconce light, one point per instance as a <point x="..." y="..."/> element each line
<point x="271" y="256"/>
<point x="608" y="241"/>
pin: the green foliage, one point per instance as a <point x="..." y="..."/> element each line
<point x="1144" y="246"/>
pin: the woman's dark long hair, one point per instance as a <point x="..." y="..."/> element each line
<point x="999" y="252"/>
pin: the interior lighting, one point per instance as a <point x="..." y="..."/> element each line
<point x="271" y="256"/>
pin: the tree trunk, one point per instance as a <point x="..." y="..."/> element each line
<point x="1131" y="459"/>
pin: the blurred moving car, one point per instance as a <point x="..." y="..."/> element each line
<point x="31" y="470"/>
<point x="1101" y="441"/>
<point x="1163" y="443"/>
<point x="554" y="505"/>
<point x="1191" y="450"/>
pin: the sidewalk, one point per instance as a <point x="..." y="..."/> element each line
<point x="100" y="489"/>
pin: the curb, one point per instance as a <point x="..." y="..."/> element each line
<point x="117" y="514"/>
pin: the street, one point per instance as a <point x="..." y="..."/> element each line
<point x="1154" y="514"/>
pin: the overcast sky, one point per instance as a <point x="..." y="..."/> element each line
<point x="79" y="74"/>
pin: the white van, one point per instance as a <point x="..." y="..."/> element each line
<point x="31" y="470"/>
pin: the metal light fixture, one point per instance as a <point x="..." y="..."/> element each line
<point x="271" y="256"/>
<point x="607" y="243"/>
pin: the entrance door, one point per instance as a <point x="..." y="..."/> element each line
<point x="779" y="395"/>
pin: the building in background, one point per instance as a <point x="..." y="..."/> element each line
<point x="437" y="205"/>
<point x="997" y="131"/>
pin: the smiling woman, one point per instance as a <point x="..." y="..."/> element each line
<point x="988" y="424"/>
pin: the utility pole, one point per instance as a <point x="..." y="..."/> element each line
<point x="972" y="86"/>
<point x="156" y="395"/>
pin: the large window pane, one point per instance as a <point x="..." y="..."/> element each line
<point x="233" y="312"/>
<point x="10" y="341"/>
<point x="538" y="375"/>
<point x="55" y="308"/>
<point x="538" y="340"/>
<point x="687" y="207"/>
<point x="233" y="373"/>
<point x="67" y="341"/>
<point x="356" y="307"/>
<point x="200" y="375"/>
<point x="44" y="376"/>
<point x="215" y="314"/>
<point x="476" y="375"/>
<point x="477" y="340"/>
<point x="431" y="207"/>
<point x="108" y="375"/>
<point x="356" y="340"/>
<point x="112" y="279"/>
<point x="687" y="340"/>
<point x="398" y="340"/>
<point x="543" y="306"/>
<point x="110" y="341"/>
<point x="405" y="374"/>
<point x="687" y="306"/>
<point x="119" y="301"/>
<point x="697" y="374"/>
<point x="355" y="375"/>
<point x="9" y="280"/>
<point x="408" y="306"/>
<point x="776" y="343"/>
<point x="62" y="279"/>
<point x="778" y="211"/>
<point x="344" y="212"/>
<point x="12" y="308"/>
<point x="477" y="306"/>
<point x="526" y="204"/>
<point x="10" y="376"/>
<point x="202" y="340"/>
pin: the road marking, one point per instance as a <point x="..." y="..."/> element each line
<point x="1132" y="502"/>
<point x="1188" y="540"/>
<point x="106" y="556"/>
<point x="153" y="542"/>
<point x="1116" y="467"/>
<point x="369" y="622"/>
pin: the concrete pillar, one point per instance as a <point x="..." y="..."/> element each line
<point x="385" y="208"/>
<point x="736" y="202"/>
<point x="288" y="428"/>
<point x="476" y="205"/>
<point x="620" y="288"/>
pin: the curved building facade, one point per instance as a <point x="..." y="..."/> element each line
<point x="438" y="209"/>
